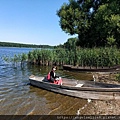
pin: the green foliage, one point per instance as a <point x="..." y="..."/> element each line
<point x="20" y="58"/>
<point x="73" y="18"/>
<point x="108" y="19"/>
<point x="6" y="58"/>
<point x="96" y="22"/>
<point x="96" y="57"/>
<point x="70" y="44"/>
<point x="24" y="57"/>
<point x="118" y="77"/>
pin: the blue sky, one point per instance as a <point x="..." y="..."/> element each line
<point x="31" y="22"/>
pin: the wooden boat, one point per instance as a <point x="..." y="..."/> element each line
<point x="79" y="88"/>
<point x="92" y="69"/>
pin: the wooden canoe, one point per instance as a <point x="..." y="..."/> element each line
<point x="79" y="88"/>
<point x="92" y="69"/>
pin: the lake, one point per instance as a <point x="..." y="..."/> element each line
<point x="18" y="97"/>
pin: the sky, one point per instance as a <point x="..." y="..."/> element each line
<point x="31" y="22"/>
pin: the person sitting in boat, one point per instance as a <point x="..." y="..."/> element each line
<point x="52" y="75"/>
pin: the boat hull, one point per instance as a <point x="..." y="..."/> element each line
<point x="92" y="69"/>
<point x="84" y="92"/>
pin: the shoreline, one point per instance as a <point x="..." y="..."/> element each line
<point x="103" y="107"/>
<point x="107" y="107"/>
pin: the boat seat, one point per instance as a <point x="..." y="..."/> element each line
<point x="79" y="85"/>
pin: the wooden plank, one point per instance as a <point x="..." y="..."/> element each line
<point x="78" y="91"/>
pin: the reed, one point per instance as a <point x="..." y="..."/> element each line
<point x="95" y="57"/>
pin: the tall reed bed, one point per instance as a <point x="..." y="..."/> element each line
<point x="98" y="57"/>
<point x="20" y="58"/>
<point x="95" y="57"/>
<point x="47" y="57"/>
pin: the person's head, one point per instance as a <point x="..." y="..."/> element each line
<point x="54" y="68"/>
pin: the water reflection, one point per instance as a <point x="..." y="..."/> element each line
<point x="17" y="97"/>
<point x="20" y="98"/>
<point x="56" y="104"/>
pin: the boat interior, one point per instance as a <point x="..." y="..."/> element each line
<point x="80" y="83"/>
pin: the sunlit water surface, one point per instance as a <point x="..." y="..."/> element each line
<point x="17" y="97"/>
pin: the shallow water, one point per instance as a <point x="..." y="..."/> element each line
<point x="17" y="97"/>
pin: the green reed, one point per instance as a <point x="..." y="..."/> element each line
<point x="95" y="57"/>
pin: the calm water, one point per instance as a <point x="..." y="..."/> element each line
<point x="17" y="97"/>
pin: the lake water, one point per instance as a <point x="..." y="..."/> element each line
<point x="17" y="97"/>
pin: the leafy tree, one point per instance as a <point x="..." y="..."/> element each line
<point x="107" y="22"/>
<point x="96" y="22"/>
<point x="70" y="44"/>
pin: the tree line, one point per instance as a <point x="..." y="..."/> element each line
<point x="10" y="44"/>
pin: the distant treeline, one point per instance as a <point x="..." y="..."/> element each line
<point x="9" y="44"/>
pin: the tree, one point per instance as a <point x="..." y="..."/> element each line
<point x="72" y="18"/>
<point x="96" y="22"/>
<point x="70" y="45"/>
<point x="107" y="23"/>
